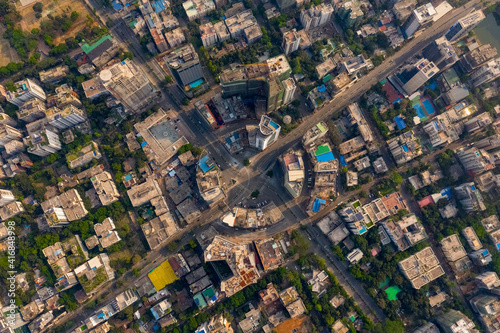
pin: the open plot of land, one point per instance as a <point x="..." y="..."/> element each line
<point x="7" y="53"/>
<point x="56" y="8"/>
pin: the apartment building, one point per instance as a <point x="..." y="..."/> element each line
<point x="24" y="91"/>
<point x="31" y="110"/>
<point x="43" y="143"/>
<point x="316" y="16"/>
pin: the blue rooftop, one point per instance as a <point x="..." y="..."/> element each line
<point x="322" y="88"/>
<point x="446" y="192"/>
<point x="204" y="164"/>
<point x="400" y="122"/>
<point x="317" y="204"/>
<point x="342" y="160"/>
<point x="326" y="157"/>
<point x="116" y="5"/>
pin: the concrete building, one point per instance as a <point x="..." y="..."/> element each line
<point x="267" y="134"/>
<point x="175" y="37"/>
<point x="486" y="73"/>
<point x="464" y="25"/>
<point x="128" y="84"/>
<point x="294" y="173"/>
<point x="481" y="257"/>
<point x="455" y="321"/>
<point x="472" y="239"/>
<point x="94" y="273"/>
<point x="474" y="160"/>
<point x="31" y="110"/>
<point x="25" y="90"/>
<point x="10" y="210"/>
<point x="406" y="232"/>
<point x="184" y="65"/>
<point x="252" y="33"/>
<point x="221" y="31"/>
<point x="8" y="133"/>
<point x="354" y="65"/>
<point x="65" y="208"/>
<point x="290" y="89"/>
<point x="283" y="4"/>
<point x="488" y="143"/>
<point x="105" y="188"/>
<point x="354" y="256"/>
<point x="421" y="268"/>
<point x="452" y="248"/>
<point x="412" y="77"/>
<point x="66" y="117"/>
<point x="13" y="147"/>
<point x="106" y="233"/>
<point x="143" y="193"/>
<point x="441" y="53"/>
<point x="405" y="147"/>
<point x="83" y="156"/>
<point x="418" y="18"/>
<point x="316" y="16"/>
<point x="101" y="51"/>
<point x="6" y="197"/>
<point x="470" y="198"/>
<point x="54" y="75"/>
<point x="208" y="35"/>
<point x="477" y="57"/>
<point x="292" y="302"/>
<point x="291" y="41"/>
<point x="158" y="230"/>
<point x="315" y="133"/>
<point x="238" y="23"/>
<point x="198" y="8"/>
<point x="43" y="143"/>
<point x="478" y="122"/>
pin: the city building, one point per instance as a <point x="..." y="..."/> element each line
<point x="64" y="208"/>
<point x="94" y="273"/>
<point x="316" y="16"/>
<point x="9" y="133"/>
<point x="474" y="160"/>
<point x="443" y="129"/>
<point x="488" y="143"/>
<point x="221" y="31"/>
<point x="471" y="238"/>
<point x="358" y="222"/>
<point x="291" y="41"/>
<point x="294" y="173"/>
<point x="405" y="147"/>
<point x="419" y="17"/>
<point x="175" y="37"/>
<point x="6" y="196"/>
<point x="292" y="302"/>
<point x="349" y="12"/>
<point x="269" y="253"/>
<point x="238" y="23"/>
<point x="478" y="122"/>
<point x="198" y="8"/>
<point x="161" y="140"/>
<point x="455" y="253"/>
<point x="128" y="84"/>
<point x="83" y="156"/>
<point x="488" y="308"/>
<point x="455" y="321"/>
<point x="43" y="143"/>
<point x="412" y="77"/>
<point x="10" y="210"/>
<point x="54" y="75"/>
<point x="31" y="110"/>
<point x="325" y="67"/>
<point x="354" y="65"/>
<point x="441" y="53"/>
<point x="283" y="4"/>
<point x="184" y="65"/>
<point x="470" y="198"/>
<point x="488" y="280"/>
<point x="290" y="88"/>
<point x="158" y="230"/>
<point x="66" y="117"/>
<point x="315" y="133"/>
<point x="105" y="188"/>
<point x="267" y="134"/>
<point x="252" y="33"/>
<point x="7" y="120"/>
<point x="42" y="323"/>
<point x="25" y="90"/>
<point x="143" y="193"/>
<point x="208" y="181"/>
<point x="354" y="256"/>
<point x="481" y="257"/>
<point x="13" y="147"/>
<point x="421" y="268"/>
<point x="485" y="73"/>
<point x="406" y="232"/>
<point x="94" y="88"/>
<point x="477" y="57"/>
<point x="106" y="233"/>
<point x="464" y="25"/>
<point x="379" y="165"/>
<point x="208" y="34"/>
<point x="102" y="51"/>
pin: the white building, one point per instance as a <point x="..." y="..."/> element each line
<point x="6" y="197"/>
<point x="268" y="133"/>
<point x="208" y="34"/>
<point x="316" y="16"/>
<point x="464" y="25"/>
<point x="198" y="8"/>
<point x="486" y="73"/>
<point x="8" y="133"/>
<point x="290" y="88"/>
<point x="43" y="143"/>
<point x="25" y="90"/>
<point x="291" y="41"/>
<point x="419" y="17"/>
<point x="67" y="117"/>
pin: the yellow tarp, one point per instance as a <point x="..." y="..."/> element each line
<point x="162" y="275"/>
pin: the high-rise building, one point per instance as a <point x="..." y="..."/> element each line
<point x="489" y="143"/>
<point x="67" y="117"/>
<point x="486" y="73"/>
<point x="184" y="65"/>
<point x="290" y="88"/>
<point x="6" y="119"/>
<point x="464" y="25"/>
<point x="6" y="196"/>
<point x="283" y="4"/>
<point x="198" y="8"/>
<point x="475" y="58"/>
<point x="474" y="160"/>
<point x="291" y="41"/>
<point x="418" y="18"/>
<point x="411" y="78"/>
<point x="316" y="16"/>
<point x="455" y="321"/>
<point x="441" y="53"/>
<point x="43" y="143"/>
<point x="102" y="51"/>
<point x="268" y="133"/>
<point x="8" y="133"/>
<point x="25" y="90"/>
<point x="208" y="34"/>
<point x="13" y="147"/>
<point x="31" y="110"/>
<point x="128" y="83"/>
<point x="470" y="198"/>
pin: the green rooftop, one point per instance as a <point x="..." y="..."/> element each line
<point x="322" y="150"/>
<point x="88" y="48"/>
<point x="321" y="128"/>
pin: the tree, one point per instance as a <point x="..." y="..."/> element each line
<point x="246" y="162"/>
<point x="38" y="7"/>
<point x="393" y="326"/>
<point x="363" y="194"/>
<point x="169" y="79"/>
<point x="396" y="177"/>
<point x="255" y="194"/>
<point x="185" y="101"/>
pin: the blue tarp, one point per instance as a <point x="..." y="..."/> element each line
<point x="317" y="204"/>
<point x="400" y="122"/>
<point x="116" y="5"/>
<point x="326" y="157"/>
<point x="342" y="160"/>
<point x="322" y="88"/>
<point x="158" y="6"/>
<point x="143" y="144"/>
<point x="432" y="86"/>
<point x="446" y="192"/>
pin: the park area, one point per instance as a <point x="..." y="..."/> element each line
<point x="7" y="52"/>
<point x="55" y="8"/>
